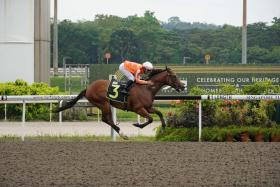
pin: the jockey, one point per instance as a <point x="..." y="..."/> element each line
<point x="133" y="71"/>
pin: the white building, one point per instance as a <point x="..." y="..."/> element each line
<point x="24" y="40"/>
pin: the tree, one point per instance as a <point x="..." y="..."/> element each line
<point x="274" y="55"/>
<point x="123" y="44"/>
<point x="257" y="55"/>
<point x="194" y="52"/>
<point x="144" y="38"/>
<point x="258" y="35"/>
<point x="75" y="40"/>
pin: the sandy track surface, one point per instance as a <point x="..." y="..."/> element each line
<point x="75" y="164"/>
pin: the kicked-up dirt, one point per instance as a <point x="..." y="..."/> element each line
<point x="74" y="164"/>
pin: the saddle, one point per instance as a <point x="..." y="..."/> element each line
<point x="116" y="91"/>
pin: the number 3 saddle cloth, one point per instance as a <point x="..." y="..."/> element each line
<point x="115" y="91"/>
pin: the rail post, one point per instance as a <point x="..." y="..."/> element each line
<point x="114" y="117"/>
<point x="98" y="115"/>
<point x="199" y="120"/>
<point x="23" y="111"/>
<point x="50" y="112"/>
<point x="60" y="113"/>
<point x="5" y="112"/>
<point x="138" y="119"/>
<point x="23" y="119"/>
<point x="114" y="114"/>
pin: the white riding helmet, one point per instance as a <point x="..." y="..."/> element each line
<point x="148" y="65"/>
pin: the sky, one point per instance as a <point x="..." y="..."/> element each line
<point x="217" y="12"/>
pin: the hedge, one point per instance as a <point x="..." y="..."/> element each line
<point x="33" y="111"/>
<point x="217" y="134"/>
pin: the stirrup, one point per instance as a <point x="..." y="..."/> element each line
<point x="125" y="92"/>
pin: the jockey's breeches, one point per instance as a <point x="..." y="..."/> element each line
<point x="127" y="73"/>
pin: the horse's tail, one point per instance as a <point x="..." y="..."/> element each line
<point x="71" y="103"/>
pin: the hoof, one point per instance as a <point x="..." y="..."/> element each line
<point x="123" y="136"/>
<point x="137" y="125"/>
<point x="162" y="129"/>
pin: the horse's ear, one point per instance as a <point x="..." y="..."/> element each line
<point x="167" y="68"/>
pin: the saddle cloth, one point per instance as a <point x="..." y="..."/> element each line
<point x="115" y="89"/>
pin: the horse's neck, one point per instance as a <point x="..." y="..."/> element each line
<point x="159" y="82"/>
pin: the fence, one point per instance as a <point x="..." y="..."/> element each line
<point x="24" y="99"/>
<point x="59" y="98"/>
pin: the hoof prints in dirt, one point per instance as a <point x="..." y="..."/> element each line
<point x="139" y="164"/>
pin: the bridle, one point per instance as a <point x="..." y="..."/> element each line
<point x="170" y="82"/>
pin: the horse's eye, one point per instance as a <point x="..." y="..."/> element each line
<point x="174" y="78"/>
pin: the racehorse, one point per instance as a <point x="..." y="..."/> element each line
<point x="140" y="99"/>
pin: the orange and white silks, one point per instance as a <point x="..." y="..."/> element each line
<point x="136" y="69"/>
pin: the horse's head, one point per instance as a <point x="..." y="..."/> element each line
<point x="173" y="80"/>
<point x="166" y="77"/>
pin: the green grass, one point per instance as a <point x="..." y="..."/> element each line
<point x="10" y="138"/>
<point x="76" y="86"/>
<point x="131" y="116"/>
<point x="66" y="138"/>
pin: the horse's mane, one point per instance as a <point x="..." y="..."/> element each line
<point x="153" y="73"/>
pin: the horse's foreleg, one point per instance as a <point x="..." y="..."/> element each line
<point x="144" y="113"/>
<point x="157" y="112"/>
<point x="107" y="118"/>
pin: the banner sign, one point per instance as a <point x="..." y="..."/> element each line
<point x="212" y="82"/>
<point x="209" y="78"/>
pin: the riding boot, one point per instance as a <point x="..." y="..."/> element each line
<point x="127" y="86"/>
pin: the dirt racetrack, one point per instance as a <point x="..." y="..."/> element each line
<point x="173" y="164"/>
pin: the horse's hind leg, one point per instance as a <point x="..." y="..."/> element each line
<point x="144" y="113"/>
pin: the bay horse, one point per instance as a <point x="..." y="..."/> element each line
<point x="140" y="99"/>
